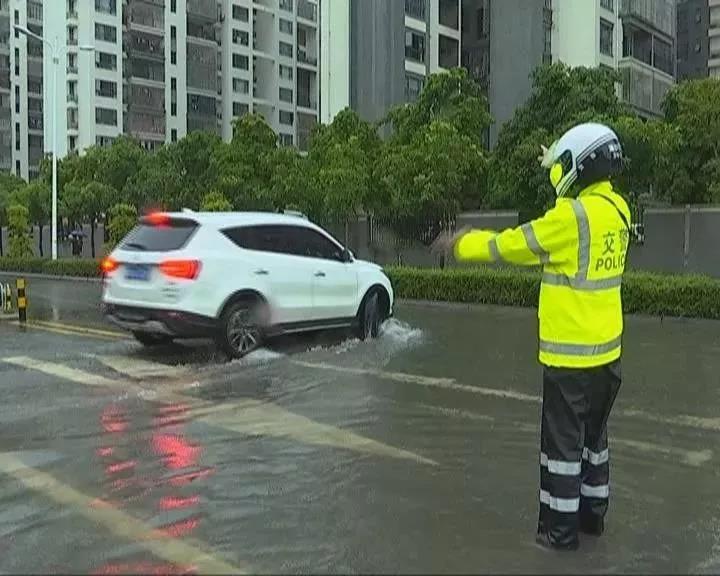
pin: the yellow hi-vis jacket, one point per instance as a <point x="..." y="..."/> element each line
<point x="582" y="245"/>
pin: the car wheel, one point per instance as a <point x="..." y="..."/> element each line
<point x="240" y="330"/>
<point x="370" y="317"/>
<point x="151" y="340"/>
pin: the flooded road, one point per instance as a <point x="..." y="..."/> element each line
<point x="415" y="453"/>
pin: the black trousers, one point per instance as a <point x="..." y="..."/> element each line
<point x="574" y="457"/>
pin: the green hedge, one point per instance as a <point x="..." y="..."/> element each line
<point x="654" y="294"/>
<point x="69" y="267"/>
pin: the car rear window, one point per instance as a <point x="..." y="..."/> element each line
<point x="173" y="235"/>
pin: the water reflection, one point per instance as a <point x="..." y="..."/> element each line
<point x="151" y="464"/>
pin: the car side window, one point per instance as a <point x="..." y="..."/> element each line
<point x="263" y="238"/>
<point x="311" y="244"/>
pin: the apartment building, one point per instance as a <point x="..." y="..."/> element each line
<point x="376" y="54"/>
<point x="693" y="39"/>
<point x="153" y="69"/>
<point x="714" y="39"/>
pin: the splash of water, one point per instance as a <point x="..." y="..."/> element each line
<point x="258" y="357"/>
<point x="399" y="333"/>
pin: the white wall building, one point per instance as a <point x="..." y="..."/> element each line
<point x="153" y="69"/>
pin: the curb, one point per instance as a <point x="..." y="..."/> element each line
<point x="40" y="276"/>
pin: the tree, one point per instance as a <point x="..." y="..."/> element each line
<point x="123" y="219"/>
<point x="245" y="166"/>
<point x="18" y="225"/>
<point x="119" y="163"/>
<point x="38" y="201"/>
<point x="561" y="97"/>
<point x="692" y="109"/>
<point x="215" y="202"/>
<point x="9" y="184"/>
<point x="452" y="97"/>
<point x="95" y="199"/>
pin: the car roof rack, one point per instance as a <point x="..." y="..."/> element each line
<point x="295" y="213"/>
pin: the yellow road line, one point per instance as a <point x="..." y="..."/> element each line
<point x="64" y="331"/>
<point x="78" y="328"/>
<point x="182" y="552"/>
<point x="244" y="417"/>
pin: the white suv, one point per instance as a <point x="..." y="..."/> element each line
<point x="239" y="278"/>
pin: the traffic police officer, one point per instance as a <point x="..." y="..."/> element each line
<point x="581" y="243"/>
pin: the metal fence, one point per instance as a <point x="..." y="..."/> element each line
<point x="677" y="240"/>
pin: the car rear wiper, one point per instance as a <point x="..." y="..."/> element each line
<point x="136" y="245"/>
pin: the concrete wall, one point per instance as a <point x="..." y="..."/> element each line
<point x="692" y="30"/>
<point x="516" y="49"/>
<point x="377" y="57"/>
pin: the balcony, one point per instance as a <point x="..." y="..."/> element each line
<point x="72" y="98"/>
<point x="145" y="46"/>
<point x="205" y="10"/>
<point x="35" y="121"/>
<point x="643" y="86"/>
<point x="304" y="58"/>
<point x="415" y="9"/>
<point x="147" y="16"/>
<point x="307" y="10"/>
<point x="658" y="14"/>
<point x="71" y="15"/>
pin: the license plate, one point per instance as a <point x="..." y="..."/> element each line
<point x="138" y="272"/>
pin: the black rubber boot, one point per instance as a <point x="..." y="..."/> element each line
<point x="592" y="525"/>
<point x="543" y="540"/>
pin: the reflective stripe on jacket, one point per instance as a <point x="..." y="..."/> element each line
<point x="582" y="245"/>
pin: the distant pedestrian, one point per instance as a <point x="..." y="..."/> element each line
<point x="582" y="245"/>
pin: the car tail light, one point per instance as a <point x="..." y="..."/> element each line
<point x="157" y="219"/>
<point x="108" y="265"/>
<point x="185" y="269"/>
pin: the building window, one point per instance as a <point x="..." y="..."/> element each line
<point x="105" y="33"/>
<point x="286" y="27"/>
<point x="72" y="143"/>
<point x="286" y="5"/>
<point x="173" y="6"/>
<point x="414" y="46"/>
<point x="287" y="118"/>
<point x="17" y="99"/>
<point x="105" y="88"/>
<point x="241" y="86"/>
<point x="240" y="62"/>
<point x="449" y="13"/>
<point x="105" y="61"/>
<point x="286" y="95"/>
<point x="481" y="22"/>
<point x="106" y="116"/>
<point x="34" y="11"/>
<point x="240" y="37"/>
<point x="173" y="135"/>
<point x="608" y="5"/>
<point x="17" y="135"/>
<point x="240" y="109"/>
<point x="240" y="13"/>
<point x="286" y="49"/>
<point x="286" y="139"/>
<point x="607" y="37"/>
<point x="662" y="56"/>
<point x="449" y="56"/>
<point x="286" y="72"/>
<point x="17" y="165"/>
<point x="17" y="61"/>
<point x="413" y="87"/>
<point x="415" y="9"/>
<point x="106" y="6"/>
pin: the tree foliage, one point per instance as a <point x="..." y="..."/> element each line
<point x="18" y="232"/>
<point x="123" y="218"/>
<point x="215" y="202"/>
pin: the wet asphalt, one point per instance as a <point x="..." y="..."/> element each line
<point x="415" y="453"/>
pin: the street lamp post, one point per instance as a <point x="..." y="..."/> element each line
<point x="56" y="50"/>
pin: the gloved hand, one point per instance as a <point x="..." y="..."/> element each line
<point x="445" y="242"/>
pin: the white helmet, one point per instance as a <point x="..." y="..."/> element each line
<point x="585" y="154"/>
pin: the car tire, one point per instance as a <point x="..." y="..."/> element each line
<point x="369" y="317"/>
<point x="152" y="340"/>
<point x="240" y="329"/>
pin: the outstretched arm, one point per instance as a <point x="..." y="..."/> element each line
<point x="532" y="244"/>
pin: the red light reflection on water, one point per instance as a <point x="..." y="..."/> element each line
<point x="144" y="568"/>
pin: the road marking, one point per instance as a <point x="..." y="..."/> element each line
<point x="446" y="383"/>
<point x="712" y="424"/>
<point x="252" y="417"/>
<point x="64" y="331"/>
<point x="246" y="417"/>
<point x="80" y="329"/>
<point x="181" y="552"/>
<point x="138" y="368"/>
